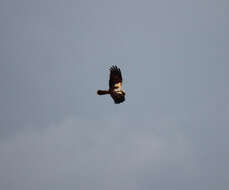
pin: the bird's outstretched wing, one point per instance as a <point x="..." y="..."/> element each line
<point x="118" y="97"/>
<point x="115" y="82"/>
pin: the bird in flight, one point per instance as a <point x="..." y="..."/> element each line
<point x="115" y="86"/>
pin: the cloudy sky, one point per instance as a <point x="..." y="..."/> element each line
<point x="172" y="131"/>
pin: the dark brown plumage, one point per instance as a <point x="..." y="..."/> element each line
<point x="115" y="86"/>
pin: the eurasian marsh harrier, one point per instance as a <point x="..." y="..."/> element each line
<point x="115" y="86"/>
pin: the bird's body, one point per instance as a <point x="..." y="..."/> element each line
<point x="115" y="86"/>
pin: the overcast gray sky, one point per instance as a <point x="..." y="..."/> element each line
<point x="172" y="131"/>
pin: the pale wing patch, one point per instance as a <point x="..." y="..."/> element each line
<point x="118" y="86"/>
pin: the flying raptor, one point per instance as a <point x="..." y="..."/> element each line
<point x="115" y="86"/>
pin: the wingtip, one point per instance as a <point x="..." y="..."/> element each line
<point x="114" y="68"/>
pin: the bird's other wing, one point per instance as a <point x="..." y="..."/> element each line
<point x="115" y="82"/>
<point x="118" y="97"/>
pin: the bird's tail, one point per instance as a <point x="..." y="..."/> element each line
<point x="103" y="92"/>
